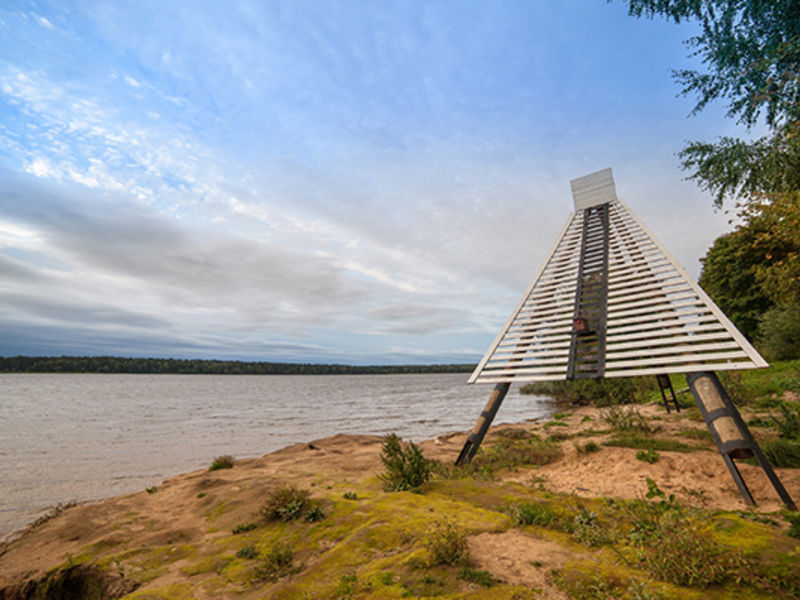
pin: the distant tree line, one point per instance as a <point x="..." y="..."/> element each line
<point x="116" y="364"/>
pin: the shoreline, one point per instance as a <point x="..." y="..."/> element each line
<point x="199" y="509"/>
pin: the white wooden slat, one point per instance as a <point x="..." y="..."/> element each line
<point x="659" y="274"/>
<point x="531" y="287"/>
<point x="662" y="316"/>
<point x="621" y="304"/>
<point x="649" y="286"/>
<point x="658" y="320"/>
<point x="660" y="329"/>
<point x="658" y="370"/>
<point x="612" y="355"/>
<point x="534" y="352"/>
<point x="644" y="343"/>
<point x="748" y="348"/>
<point x="644" y="311"/>
<point x="686" y="358"/>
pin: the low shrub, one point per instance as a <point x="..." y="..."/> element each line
<point x="794" y="525"/>
<point x="221" y="462"/>
<point x="247" y="552"/>
<point x="643" y="442"/>
<point x="586" y="529"/>
<point x="244" y="528"/>
<point x="680" y="554"/>
<point x="602" y="392"/>
<point x="285" y="504"/>
<point x="314" y="515"/>
<point x="510" y="453"/>
<point x="529" y="513"/>
<point x="480" y="577"/>
<point x="782" y="453"/>
<point x="587" y="448"/>
<point x="787" y="423"/>
<point x="350" y="496"/>
<point x="404" y="468"/>
<point x="626" y="419"/>
<point x="277" y="563"/>
<point x="447" y="544"/>
<point x="648" y="456"/>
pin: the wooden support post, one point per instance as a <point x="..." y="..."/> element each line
<point x="730" y="432"/>
<point x="482" y="425"/>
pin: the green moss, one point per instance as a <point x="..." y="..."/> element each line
<point x="175" y="591"/>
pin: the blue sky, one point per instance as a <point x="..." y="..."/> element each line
<point x="356" y="182"/>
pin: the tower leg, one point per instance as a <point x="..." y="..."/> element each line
<point x="730" y="432"/>
<point x="482" y="425"/>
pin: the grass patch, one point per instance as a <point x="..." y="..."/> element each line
<point x="222" y="462"/>
<point x="587" y="448"/>
<point x="510" y="453"/>
<point x="532" y="513"/>
<point x="447" y="544"/>
<point x="480" y="577"/>
<point x="277" y="563"/>
<point x="626" y="419"/>
<point x="648" y="456"/>
<point x="247" y="552"/>
<point x="781" y="453"/>
<point x="641" y="442"/>
<point x="244" y="528"/>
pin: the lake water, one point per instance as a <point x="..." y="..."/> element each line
<point x="90" y="436"/>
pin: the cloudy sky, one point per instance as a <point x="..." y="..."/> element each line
<point x="356" y="182"/>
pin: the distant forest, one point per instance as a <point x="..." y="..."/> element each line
<point x="114" y="364"/>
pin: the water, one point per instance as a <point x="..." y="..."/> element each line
<point x="88" y="436"/>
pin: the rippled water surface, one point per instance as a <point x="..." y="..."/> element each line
<point x="82" y="437"/>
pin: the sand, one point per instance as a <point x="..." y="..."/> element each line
<point x="178" y="512"/>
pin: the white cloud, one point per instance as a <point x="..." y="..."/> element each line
<point x="43" y="22"/>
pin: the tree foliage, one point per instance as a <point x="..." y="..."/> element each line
<point x="753" y="274"/>
<point x="750" y="51"/>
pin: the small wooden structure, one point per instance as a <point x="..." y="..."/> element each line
<point x="611" y="301"/>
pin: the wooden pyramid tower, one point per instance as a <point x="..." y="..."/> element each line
<point x="611" y="301"/>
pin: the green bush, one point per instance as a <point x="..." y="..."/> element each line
<point x="247" y="552"/>
<point x="221" y="462"/>
<point x="782" y="453"/>
<point x="278" y="562"/>
<point x="788" y="422"/>
<point x="643" y="442"/>
<point x="587" y="448"/>
<point x="243" y="528"/>
<point x="794" y="525"/>
<point x="626" y="419"/>
<point x="682" y="555"/>
<point x="447" y="544"/>
<point x="528" y="513"/>
<point x="599" y="392"/>
<point x="404" y="469"/>
<point x="480" y="577"/>
<point x="586" y="529"/>
<point x="285" y="503"/>
<point x="508" y="453"/>
<point x="779" y="332"/>
<point x="648" y="456"/>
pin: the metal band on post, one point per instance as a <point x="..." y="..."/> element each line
<point x="730" y="432"/>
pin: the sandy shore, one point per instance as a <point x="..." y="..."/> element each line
<point x="192" y="513"/>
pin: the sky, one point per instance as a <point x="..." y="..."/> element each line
<point x="353" y="182"/>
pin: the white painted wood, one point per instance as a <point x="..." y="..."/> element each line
<point x="593" y="189"/>
<point x="658" y="318"/>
